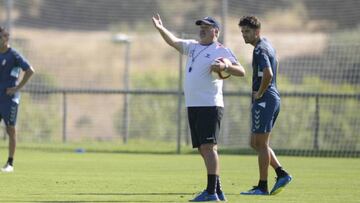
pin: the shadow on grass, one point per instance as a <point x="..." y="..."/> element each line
<point x="75" y="201"/>
<point x="181" y="197"/>
<point x="122" y="193"/>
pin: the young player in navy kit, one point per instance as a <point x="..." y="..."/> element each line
<point x="265" y="106"/>
<point x="203" y="94"/>
<point x="11" y="63"/>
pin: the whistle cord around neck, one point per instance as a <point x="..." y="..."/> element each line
<point x="194" y="57"/>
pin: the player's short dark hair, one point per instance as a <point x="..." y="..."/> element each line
<point x="250" y="21"/>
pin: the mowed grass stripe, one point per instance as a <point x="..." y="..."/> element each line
<point x="42" y="176"/>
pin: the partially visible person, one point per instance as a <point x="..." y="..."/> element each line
<point x="11" y="64"/>
<point x="265" y="107"/>
<point x="203" y="94"/>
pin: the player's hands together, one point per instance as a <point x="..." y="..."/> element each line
<point x="219" y="65"/>
<point x="157" y="21"/>
<point x="11" y="90"/>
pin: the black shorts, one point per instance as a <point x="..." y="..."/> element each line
<point x="204" y="124"/>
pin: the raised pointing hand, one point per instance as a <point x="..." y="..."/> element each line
<point x="157" y="21"/>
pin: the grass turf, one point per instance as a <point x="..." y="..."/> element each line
<point x="55" y="176"/>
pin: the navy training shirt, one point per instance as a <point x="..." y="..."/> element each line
<point x="10" y="64"/>
<point x="264" y="55"/>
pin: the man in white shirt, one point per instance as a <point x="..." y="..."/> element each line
<point x="203" y="93"/>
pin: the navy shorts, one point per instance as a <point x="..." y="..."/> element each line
<point x="8" y="112"/>
<point x="204" y="124"/>
<point x="264" y="112"/>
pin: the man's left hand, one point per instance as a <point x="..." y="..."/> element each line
<point x="218" y="65"/>
<point x="256" y="95"/>
<point x="11" y="90"/>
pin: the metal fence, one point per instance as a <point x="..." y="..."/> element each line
<point x="315" y="135"/>
<point x="103" y="73"/>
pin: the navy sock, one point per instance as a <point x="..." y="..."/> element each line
<point x="218" y="185"/>
<point x="211" y="184"/>
<point x="280" y="172"/>
<point x="10" y="161"/>
<point x="263" y="186"/>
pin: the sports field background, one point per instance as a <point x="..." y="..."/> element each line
<point x="46" y="175"/>
<point x="79" y="91"/>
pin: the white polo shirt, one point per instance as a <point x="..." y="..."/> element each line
<point x="201" y="87"/>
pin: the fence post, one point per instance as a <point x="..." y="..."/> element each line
<point x="179" y="109"/>
<point x="317" y="123"/>
<point x="64" y="136"/>
<point x="225" y="119"/>
<point x="224" y="12"/>
<point x="9" y="7"/>
<point x="124" y="39"/>
<point x="126" y="119"/>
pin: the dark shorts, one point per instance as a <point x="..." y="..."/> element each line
<point x="264" y="112"/>
<point x="8" y="112"/>
<point x="204" y="124"/>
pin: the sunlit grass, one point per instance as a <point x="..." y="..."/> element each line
<point x="45" y="176"/>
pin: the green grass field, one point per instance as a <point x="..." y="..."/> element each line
<point x="56" y="176"/>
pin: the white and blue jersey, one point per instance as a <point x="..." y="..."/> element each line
<point x="11" y="63"/>
<point x="266" y="109"/>
<point x="264" y="56"/>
